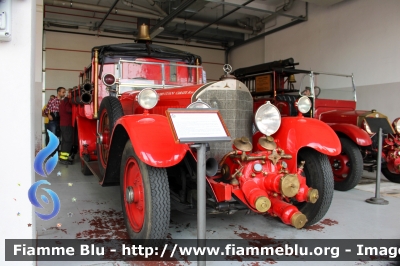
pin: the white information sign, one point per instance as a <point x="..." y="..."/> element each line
<point x="197" y="125"/>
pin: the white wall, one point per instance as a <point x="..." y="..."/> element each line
<point x="17" y="134"/>
<point x="38" y="122"/>
<point x="358" y="36"/>
<point x="247" y="55"/>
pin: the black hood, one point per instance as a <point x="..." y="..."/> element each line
<point x="114" y="52"/>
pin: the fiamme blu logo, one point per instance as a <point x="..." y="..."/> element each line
<point x="45" y="162"/>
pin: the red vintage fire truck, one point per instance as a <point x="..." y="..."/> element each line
<point x="333" y="99"/>
<point x="277" y="166"/>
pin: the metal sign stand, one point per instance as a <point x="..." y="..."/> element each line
<point x="201" y="199"/>
<point x="198" y="126"/>
<point x="377" y="199"/>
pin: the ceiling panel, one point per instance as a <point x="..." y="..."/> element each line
<point x="194" y="20"/>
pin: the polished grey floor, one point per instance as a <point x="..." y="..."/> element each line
<point x="91" y="211"/>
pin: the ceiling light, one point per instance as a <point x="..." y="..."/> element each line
<point x="52" y="24"/>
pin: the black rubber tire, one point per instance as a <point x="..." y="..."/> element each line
<point x="395" y="178"/>
<point x="156" y="198"/>
<point x="318" y="173"/>
<point x="84" y="169"/>
<point x="111" y="107"/>
<point x="356" y="166"/>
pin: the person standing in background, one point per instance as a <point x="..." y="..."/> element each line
<point x="52" y="111"/>
<point x="46" y="119"/>
<point x="65" y="110"/>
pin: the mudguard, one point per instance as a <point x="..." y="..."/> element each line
<point x="298" y="132"/>
<point x="87" y="136"/>
<point x="356" y="134"/>
<point x="152" y="139"/>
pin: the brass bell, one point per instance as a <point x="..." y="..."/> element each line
<point x="292" y="79"/>
<point x="143" y="33"/>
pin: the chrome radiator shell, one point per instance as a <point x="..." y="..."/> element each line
<point x="235" y="103"/>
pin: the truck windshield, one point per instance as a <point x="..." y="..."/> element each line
<point x="327" y="86"/>
<point x="156" y="74"/>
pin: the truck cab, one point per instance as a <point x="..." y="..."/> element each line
<point x="333" y="98"/>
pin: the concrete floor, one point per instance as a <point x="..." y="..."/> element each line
<point x="91" y="211"/>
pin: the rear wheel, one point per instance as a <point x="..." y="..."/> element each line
<point x="395" y="178"/>
<point x="347" y="167"/>
<point x="318" y="175"/>
<point x="109" y="112"/>
<point x="144" y="196"/>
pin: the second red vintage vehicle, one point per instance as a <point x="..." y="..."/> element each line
<point x="281" y="168"/>
<point x="333" y="99"/>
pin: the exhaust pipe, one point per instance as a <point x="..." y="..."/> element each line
<point x="87" y="87"/>
<point x="211" y="167"/>
<point x="86" y="98"/>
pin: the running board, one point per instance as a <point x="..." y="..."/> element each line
<point x="94" y="167"/>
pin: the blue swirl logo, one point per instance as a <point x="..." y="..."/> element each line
<point x="44" y="164"/>
<point x="35" y="202"/>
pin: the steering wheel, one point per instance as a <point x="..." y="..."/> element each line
<point x="317" y="91"/>
<point x="227" y="68"/>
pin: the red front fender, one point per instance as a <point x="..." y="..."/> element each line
<point x="152" y="139"/>
<point x="356" y="134"/>
<point x="298" y="132"/>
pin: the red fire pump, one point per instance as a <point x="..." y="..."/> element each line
<point x="264" y="180"/>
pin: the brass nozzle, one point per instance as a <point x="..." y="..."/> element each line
<point x="263" y="204"/>
<point x="312" y="195"/>
<point x="290" y="185"/>
<point x="298" y="220"/>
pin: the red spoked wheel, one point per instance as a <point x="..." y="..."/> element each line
<point x="145" y="197"/>
<point x="393" y="177"/>
<point x="110" y="111"/>
<point x="347" y="167"/>
<point x="104" y="130"/>
<point x="340" y="166"/>
<point x="133" y="191"/>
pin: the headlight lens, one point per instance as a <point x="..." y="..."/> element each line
<point x="396" y="125"/>
<point x="268" y="119"/>
<point x="148" y="98"/>
<point x="366" y="127"/>
<point x="198" y="104"/>
<point x="304" y="104"/>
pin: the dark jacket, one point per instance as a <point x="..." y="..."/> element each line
<point x="65" y="112"/>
